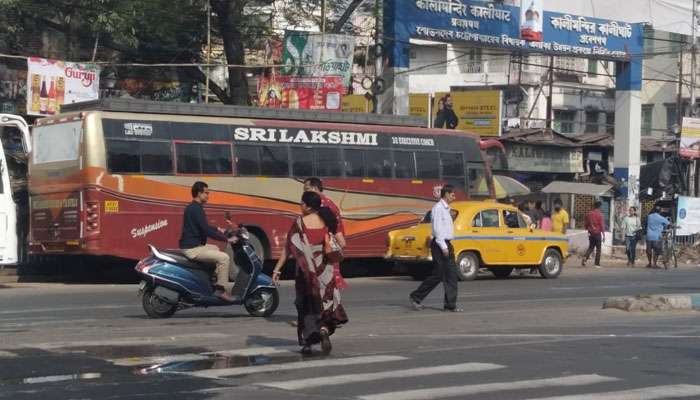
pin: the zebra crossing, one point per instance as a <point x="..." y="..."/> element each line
<point x="379" y="372"/>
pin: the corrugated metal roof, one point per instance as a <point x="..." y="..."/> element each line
<point x="588" y="189"/>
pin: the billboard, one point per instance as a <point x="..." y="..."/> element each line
<point x="499" y="24"/>
<point x="690" y="138"/>
<point x="356" y="103"/>
<point x="312" y="93"/>
<point x="688" y="218"/>
<point x="313" y="54"/>
<point x="477" y="111"/>
<point x="52" y="83"/>
<point x="419" y="105"/>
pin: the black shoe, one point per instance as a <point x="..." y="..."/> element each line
<point x="326" y="345"/>
<point x="456" y="309"/>
<point x="416" y="305"/>
<point x="306" y="350"/>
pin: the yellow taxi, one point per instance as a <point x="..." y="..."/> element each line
<point x="489" y="236"/>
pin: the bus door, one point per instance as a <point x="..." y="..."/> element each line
<point x="8" y="208"/>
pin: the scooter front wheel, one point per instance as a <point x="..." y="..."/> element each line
<point x="155" y="307"/>
<point x="262" y="302"/>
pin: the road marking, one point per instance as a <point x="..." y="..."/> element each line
<point x="127" y="341"/>
<point x="7" y="354"/>
<point x="228" y="372"/>
<point x="650" y="393"/>
<point x="375" y="376"/>
<point x="252" y="351"/>
<point x="465" y="390"/>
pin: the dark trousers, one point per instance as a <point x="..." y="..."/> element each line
<point x="631" y="248"/>
<point x="445" y="271"/>
<point x="594" y="243"/>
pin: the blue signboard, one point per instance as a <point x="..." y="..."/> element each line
<point x="494" y="24"/>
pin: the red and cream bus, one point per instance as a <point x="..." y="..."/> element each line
<point x="109" y="177"/>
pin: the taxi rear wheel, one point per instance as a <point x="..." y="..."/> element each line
<point x="551" y="264"/>
<point x="467" y="266"/>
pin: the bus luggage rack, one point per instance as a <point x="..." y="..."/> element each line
<point x="220" y="110"/>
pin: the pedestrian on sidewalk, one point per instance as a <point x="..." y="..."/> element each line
<point x="546" y="224"/>
<point x="444" y="267"/>
<point x="319" y="311"/>
<point x="632" y="228"/>
<point x="595" y="225"/>
<point x="538" y="213"/>
<point x="655" y="226"/>
<point x="560" y="218"/>
<point x="314" y="184"/>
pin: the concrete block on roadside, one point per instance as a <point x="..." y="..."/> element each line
<point x="649" y="303"/>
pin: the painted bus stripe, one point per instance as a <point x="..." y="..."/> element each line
<point x="465" y="390"/>
<point x="228" y="372"/>
<point x="375" y="376"/>
<point x="649" y="393"/>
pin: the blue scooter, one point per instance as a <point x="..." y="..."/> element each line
<point x="172" y="282"/>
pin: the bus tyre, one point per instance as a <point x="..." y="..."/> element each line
<point x="467" y="266"/>
<point x="501" y="272"/>
<point x="155" y="307"/>
<point x="262" y="302"/>
<point x="551" y="264"/>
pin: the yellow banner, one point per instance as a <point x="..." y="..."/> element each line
<point x="355" y="103"/>
<point x="476" y="111"/>
<point x="418" y="105"/>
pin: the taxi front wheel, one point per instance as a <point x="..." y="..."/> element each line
<point x="467" y="266"/>
<point x="551" y="264"/>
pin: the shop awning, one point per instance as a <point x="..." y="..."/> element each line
<point x="587" y="189"/>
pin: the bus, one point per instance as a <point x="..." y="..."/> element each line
<point x="106" y="178"/>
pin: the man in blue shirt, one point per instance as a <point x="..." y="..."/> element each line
<point x="655" y="226"/>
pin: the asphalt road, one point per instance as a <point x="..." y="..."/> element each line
<point x="519" y="338"/>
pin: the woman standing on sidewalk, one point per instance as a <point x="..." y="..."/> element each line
<point x="632" y="229"/>
<point x="317" y="297"/>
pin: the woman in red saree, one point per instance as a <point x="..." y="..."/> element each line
<point x="317" y="297"/>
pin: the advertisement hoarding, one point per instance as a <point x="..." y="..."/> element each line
<point x="477" y="111"/>
<point x="690" y="138"/>
<point x="688" y="218"/>
<point x="52" y="83"/>
<point x="356" y="103"/>
<point x="313" y="54"/>
<point x="312" y="93"/>
<point x="531" y="15"/>
<point x="419" y="105"/>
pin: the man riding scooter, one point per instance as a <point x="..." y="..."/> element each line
<point x="193" y="241"/>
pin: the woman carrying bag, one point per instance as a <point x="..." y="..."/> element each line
<point x="311" y="242"/>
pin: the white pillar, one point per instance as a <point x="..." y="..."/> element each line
<point x="628" y="127"/>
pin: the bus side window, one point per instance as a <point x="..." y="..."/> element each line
<point x="378" y="163"/>
<point x="247" y="160"/>
<point x="302" y="162"/>
<point x="428" y="165"/>
<point x="156" y="158"/>
<point x="204" y="158"/>
<point x="275" y="161"/>
<point x="452" y="165"/>
<point x="123" y="156"/>
<point x="328" y="162"/>
<point x="404" y="163"/>
<point x="354" y="163"/>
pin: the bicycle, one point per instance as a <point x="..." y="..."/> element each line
<point x="668" y="246"/>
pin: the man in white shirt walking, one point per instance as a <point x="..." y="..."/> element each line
<point x="444" y="267"/>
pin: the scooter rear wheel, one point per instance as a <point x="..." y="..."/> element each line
<point x="262" y="303"/>
<point x="155" y="307"/>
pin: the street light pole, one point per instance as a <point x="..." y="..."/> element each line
<point x="323" y="16"/>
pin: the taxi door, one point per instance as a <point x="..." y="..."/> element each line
<point x="521" y="248"/>
<point x="485" y="235"/>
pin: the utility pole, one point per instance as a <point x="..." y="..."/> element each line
<point x="206" y="90"/>
<point x="693" y="60"/>
<point x="549" y="95"/>
<point x="323" y="16"/>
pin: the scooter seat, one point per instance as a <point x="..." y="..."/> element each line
<point x="179" y="256"/>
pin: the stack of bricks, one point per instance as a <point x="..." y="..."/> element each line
<point x="582" y="206"/>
